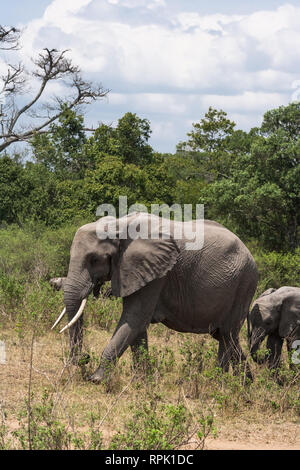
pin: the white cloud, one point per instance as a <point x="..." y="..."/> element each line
<point x="248" y="101"/>
<point x="59" y="10"/>
<point x="216" y="22"/>
<point x="172" y="63"/>
<point x="188" y="56"/>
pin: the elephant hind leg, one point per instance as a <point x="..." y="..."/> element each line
<point x="230" y="351"/>
<point x="224" y="352"/>
<point x="229" y="346"/>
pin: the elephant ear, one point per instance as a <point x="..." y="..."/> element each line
<point x="290" y="318"/>
<point x="140" y="262"/>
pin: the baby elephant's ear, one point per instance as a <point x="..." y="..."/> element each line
<point x="140" y="262"/>
<point x="289" y="320"/>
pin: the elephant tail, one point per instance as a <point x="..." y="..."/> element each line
<point x="248" y="327"/>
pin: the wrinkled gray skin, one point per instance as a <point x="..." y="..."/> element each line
<point x="275" y="314"/>
<point x="203" y="291"/>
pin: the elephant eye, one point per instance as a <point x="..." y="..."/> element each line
<point x="93" y="260"/>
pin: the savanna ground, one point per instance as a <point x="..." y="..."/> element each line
<point x="181" y="401"/>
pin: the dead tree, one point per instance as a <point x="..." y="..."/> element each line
<point x="9" y="38"/>
<point x="19" y="123"/>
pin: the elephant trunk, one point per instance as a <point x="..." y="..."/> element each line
<point x="257" y="335"/>
<point x="77" y="287"/>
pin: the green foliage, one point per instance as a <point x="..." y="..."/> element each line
<point x="209" y="145"/>
<point x="62" y="149"/>
<point x="13" y="188"/>
<point x="211" y="133"/>
<point x="284" y="118"/>
<point x="35" y="252"/>
<point x="276" y="269"/>
<point x="261" y="195"/>
<point x="129" y="141"/>
<point x="248" y="181"/>
<point x="39" y="429"/>
<point x="159" y="426"/>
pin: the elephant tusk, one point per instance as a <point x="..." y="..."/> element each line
<point x="59" y="318"/>
<point x="76" y="317"/>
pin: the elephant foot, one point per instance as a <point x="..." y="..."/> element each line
<point x="99" y="376"/>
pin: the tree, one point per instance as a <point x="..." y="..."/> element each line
<point x="286" y="118"/>
<point x="262" y="196"/>
<point x="21" y="122"/>
<point x="9" y="38"/>
<point x="208" y="144"/>
<point x="62" y="149"/>
<point x="11" y="189"/>
<point x="29" y="192"/>
<point x="129" y="140"/>
<point x="210" y="134"/>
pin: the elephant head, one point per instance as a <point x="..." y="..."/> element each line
<point x="127" y="262"/>
<point x="263" y="320"/>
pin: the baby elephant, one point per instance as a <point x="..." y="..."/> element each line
<point x="276" y="314"/>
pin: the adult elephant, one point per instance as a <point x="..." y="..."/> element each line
<point x="275" y="314"/>
<point x="207" y="290"/>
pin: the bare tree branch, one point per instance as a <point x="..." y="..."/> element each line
<point x="50" y="65"/>
<point x="9" y="38"/>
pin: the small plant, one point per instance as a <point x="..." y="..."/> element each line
<point x="192" y="365"/>
<point x="105" y="312"/>
<point x="39" y="430"/>
<point x="4" y="441"/>
<point x="160" y="426"/>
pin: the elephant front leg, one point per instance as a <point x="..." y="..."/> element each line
<point x="124" y="336"/>
<point x="274" y="345"/>
<point x="138" y="309"/>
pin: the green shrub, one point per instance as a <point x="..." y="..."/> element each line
<point x="40" y="429"/>
<point x="159" y="426"/>
<point x="276" y="269"/>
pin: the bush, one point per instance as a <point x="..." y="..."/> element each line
<point x="276" y="269"/>
<point x="34" y="252"/>
<point x="160" y="426"/>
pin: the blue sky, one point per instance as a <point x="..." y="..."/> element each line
<point x="169" y="60"/>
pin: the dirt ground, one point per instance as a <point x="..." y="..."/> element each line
<point x="278" y="436"/>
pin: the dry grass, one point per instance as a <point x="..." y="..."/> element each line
<point x="263" y="412"/>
